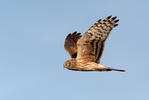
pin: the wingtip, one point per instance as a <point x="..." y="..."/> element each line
<point x="116" y="21"/>
<point x="115" y="25"/>
<point x="109" y="17"/>
<point x="99" y="20"/>
<point x="113" y="69"/>
<point x="75" y="32"/>
<point x="113" y="18"/>
<point x="120" y="70"/>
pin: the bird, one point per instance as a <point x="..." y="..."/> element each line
<point x="86" y="50"/>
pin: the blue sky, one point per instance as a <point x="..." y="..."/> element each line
<point x="32" y="34"/>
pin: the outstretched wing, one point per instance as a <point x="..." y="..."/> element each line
<point x="90" y="46"/>
<point x="100" y="53"/>
<point x="70" y="43"/>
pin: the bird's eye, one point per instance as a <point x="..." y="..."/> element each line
<point x="67" y="64"/>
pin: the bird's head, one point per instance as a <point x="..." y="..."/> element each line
<point x="70" y="63"/>
<point x="67" y="64"/>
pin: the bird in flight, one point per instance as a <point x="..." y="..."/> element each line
<point x="86" y="50"/>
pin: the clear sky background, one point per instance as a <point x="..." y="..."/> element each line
<point x="32" y="34"/>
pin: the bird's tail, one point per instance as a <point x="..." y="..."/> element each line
<point x="103" y="68"/>
<point x="113" y="69"/>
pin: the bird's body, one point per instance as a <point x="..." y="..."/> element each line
<point x="86" y="50"/>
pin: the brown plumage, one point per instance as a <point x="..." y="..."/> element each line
<point x="86" y="50"/>
<point x="70" y="43"/>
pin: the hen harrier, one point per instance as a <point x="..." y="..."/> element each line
<point x="86" y="50"/>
